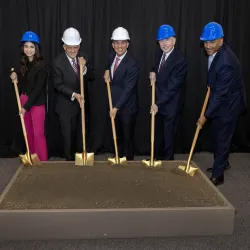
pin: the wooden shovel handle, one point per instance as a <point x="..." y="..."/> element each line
<point x="205" y="102"/>
<point x="112" y="120"/>
<point x="21" y="115"/>
<point x="198" y="128"/>
<point x="152" y="124"/>
<point x="82" y="109"/>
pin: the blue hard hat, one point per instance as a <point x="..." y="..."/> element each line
<point x="30" y="36"/>
<point x="164" y="32"/>
<point x="211" y="31"/>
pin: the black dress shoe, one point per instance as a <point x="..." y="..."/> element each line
<point x="217" y="180"/>
<point x="210" y="170"/>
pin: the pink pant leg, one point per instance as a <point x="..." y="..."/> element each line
<point x="38" y="117"/>
<point x="28" y="125"/>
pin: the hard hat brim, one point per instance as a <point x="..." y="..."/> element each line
<point x="204" y="39"/>
<point x="71" y="43"/>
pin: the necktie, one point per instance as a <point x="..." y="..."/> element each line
<point x="162" y="61"/>
<point x="116" y="64"/>
<point x="74" y="66"/>
<point x="210" y="59"/>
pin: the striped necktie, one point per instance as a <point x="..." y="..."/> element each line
<point x="116" y="64"/>
<point x="162" y="61"/>
<point x="74" y="66"/>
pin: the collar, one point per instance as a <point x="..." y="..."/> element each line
<point x="121" y="57"/>
<point x="70" y="59"/>
<point x="167" y="54"/>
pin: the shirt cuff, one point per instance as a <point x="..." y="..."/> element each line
<point x="72" y="97"/>
<point x="85" y="71"/>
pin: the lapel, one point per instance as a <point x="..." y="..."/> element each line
<point x="158" y="60"/>
<point x="112" y="58"/>
<point x="213" y="62"/>
<point x="32" y="72"/>
<point x="168" y="61"/>
<point x="120" y="66"/>
<point x="216" y="57"/>
<point x="68" y="66"/>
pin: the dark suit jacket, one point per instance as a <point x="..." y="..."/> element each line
<point x="33" y="84"/>
<point x="66" y="82"/>
<point x="227" y="96"/>
<point x="169" y="82"/>
<point x="124" y="84"/>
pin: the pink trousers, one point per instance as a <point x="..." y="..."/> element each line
<point x="34" y="123"/>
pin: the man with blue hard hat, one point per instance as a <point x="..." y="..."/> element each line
<point x="227" y="97"/>
<point x="168" y="73"/>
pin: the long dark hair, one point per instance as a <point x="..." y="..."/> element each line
<point x="24" y="59"/>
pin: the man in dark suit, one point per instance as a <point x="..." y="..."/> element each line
<point x="169" y="73"/>
<point x="227" y="97"/>
<point x="122" y="72"/>
<point x="65" y="72"/>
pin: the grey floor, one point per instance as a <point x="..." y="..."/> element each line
<point x="236" y="189"/>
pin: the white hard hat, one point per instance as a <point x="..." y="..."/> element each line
<point x="71" y="36"/>
<point x="120" y="34"/>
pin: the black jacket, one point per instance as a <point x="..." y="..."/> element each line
<point x="124" y="84"/>
<point x="227" y="91"/>
<point x="66" y="82"/>
<point x="33" y="84"/>
<point x="169" y="82"/>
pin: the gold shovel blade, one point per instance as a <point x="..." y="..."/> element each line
<point x="117" y="161"/>
<point x="30" y="160"/>
<point x="155" y="164"/>
<point x="26" y="160"/>
<point x="84" y="159"/>
<point x="35" y="160"/>
<point x="189" y="170"/>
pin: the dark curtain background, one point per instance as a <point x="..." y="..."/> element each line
<point x="96" y="19"/>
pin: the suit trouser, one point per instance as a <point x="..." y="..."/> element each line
<point x="165" y="133"/>
<point x="222" y="132"/>
<point x="71" y="133"/>
<point x="125" y="128"/>
<point x="34" y="123"/>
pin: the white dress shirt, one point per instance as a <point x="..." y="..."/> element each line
<point x="210" y="60"/>
<point x="113" y="64"/>
<point x="166" y="56"/>
<point x="84" y="72"/>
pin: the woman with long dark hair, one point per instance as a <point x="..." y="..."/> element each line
<point x="32" y="78"/>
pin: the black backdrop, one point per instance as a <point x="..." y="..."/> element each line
<point x="96" y="19"/>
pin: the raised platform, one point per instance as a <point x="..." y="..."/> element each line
<point x="61" y="201"/>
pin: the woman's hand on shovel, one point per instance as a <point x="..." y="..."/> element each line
<point x="23" y="111"/>
<point x="13" y="76"/>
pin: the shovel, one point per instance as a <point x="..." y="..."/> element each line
<point x="152" y="162"/>
<point x="27" y="159"/>
<point x="116" y="160"/>
<point x="188" y="168"/>
<point x="84" y="158"/>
